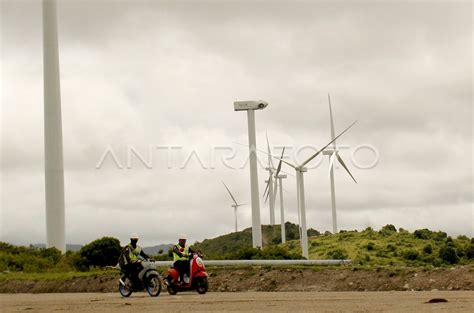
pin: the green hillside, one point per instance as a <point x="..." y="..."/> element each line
<point x="388" y="246"/>
<point x="225" y="246"/>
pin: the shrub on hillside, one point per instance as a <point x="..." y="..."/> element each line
<point x="391" y="248"/>
<point x="337" y="254"/>
<point x="410" y="254"/>
<point x="388" y="230"/>
<point x="273" y="252"/>
<point x="423" y="234"/>
<point x="27" y="259"/>
<point x="428" y="249"/>
<point x="448" y="254"/>
<point x="370" y="246"/>
<point x="439" y="235"/>
<point x="470" y="252"/>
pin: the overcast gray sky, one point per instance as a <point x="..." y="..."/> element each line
<point x="161" y="73"/>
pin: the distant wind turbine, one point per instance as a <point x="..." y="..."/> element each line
<point x="270" y="188"/>
<point x="333" y="154"/>
<point x="300" y="170"/>
<point x="279" y="182"/>
<point x="235" y="206"/>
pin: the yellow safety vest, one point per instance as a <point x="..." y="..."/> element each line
<point x="176" y="256"/>
<point x="134" y="253"/>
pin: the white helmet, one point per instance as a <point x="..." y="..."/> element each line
<point x="183" y="236"/>
<point x="134" y="236"/>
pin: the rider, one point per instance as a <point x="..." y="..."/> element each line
<point x="181" y="254"/>
<point x="134" y="255"/>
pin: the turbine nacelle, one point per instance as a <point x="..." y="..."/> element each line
<point x="329" y="151"/>
<point x="301" y="169"/>
<point x="250" y="105"/>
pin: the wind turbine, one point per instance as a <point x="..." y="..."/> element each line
<point x="251" y="107"/>
<point x="300" y="170"/>
<point x="235" y="205"/>
<point x="279" y="183"/>
<point x="333" y="154"/>
<point x="53" y="139"/>
<point x="270" y="186"/>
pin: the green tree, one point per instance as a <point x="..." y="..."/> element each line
<point x="101" y="252"/>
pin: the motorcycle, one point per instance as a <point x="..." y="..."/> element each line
<point x="148" y="278"/>
<point x="198" y="279"/>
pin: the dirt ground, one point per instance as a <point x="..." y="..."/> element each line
<point x="395" y="301"/>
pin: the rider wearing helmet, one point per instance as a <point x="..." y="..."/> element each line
<point x="133" y="256"/>
<point x="181" y="254"/>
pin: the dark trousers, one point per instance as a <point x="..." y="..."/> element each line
<point x="132" y="270"/>
<point x="182" y="266"/>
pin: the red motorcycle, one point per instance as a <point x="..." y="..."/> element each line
<point x="198" y="279"/>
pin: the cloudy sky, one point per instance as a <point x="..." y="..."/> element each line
<point x="152" y="75"/>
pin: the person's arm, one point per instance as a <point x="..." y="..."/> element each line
<point x="126" y="253"/>
<point x="144" y="255"/>
<point x="191" y="250"/>
<point x="176" y="250"/>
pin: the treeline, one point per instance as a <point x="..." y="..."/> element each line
<point x="97" y="254"/>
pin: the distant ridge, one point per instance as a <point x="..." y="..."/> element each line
<point x="69" y="246"/>
<point x="153" y="250"/>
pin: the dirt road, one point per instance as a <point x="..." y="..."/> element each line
<point x="458" y="301"/>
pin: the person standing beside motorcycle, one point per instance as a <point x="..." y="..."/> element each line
<point x="181" y="256"/>
<point x="133" y="255"/>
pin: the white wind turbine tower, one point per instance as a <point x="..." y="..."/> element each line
<point x="300" y="169"/>
<point x="251" y="107"/>
<point x="333" y="154"/>
<point x="53" y="139"/>
<point x="270" y="186"/>
<point x="235" y="206"/>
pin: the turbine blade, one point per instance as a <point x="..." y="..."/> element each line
<point x="287" y="163"/>
<point x="279" y="163"/>
<point x="332" y="121"/>
<point x="230" y="193"/>
<point x="331" y="161"/>
<point x="268" y="195"/>
<point x="345" y="167"/>
<point x="317" y="153"/>
<point x="266" y="188"/>
<point x="270" y="161"/>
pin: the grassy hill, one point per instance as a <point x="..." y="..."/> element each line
<point x="388" y="246"/>
<point x="224" y="246"/>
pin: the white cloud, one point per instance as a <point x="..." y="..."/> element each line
<point x="167" y="73"/>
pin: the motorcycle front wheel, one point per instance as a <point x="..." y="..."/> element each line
<point x="153" y="286"/>
<point x="202" y="285"/>
<point x="125" y="290"/>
